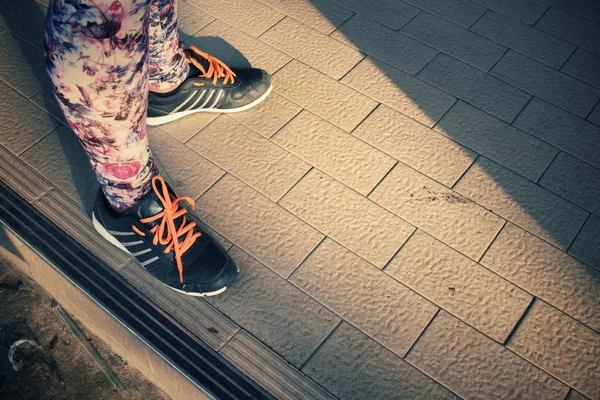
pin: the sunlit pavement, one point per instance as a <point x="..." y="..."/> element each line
<point x="415" y="208"/>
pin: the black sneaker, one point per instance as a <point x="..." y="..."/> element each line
<point x="211" y="86"/>
<point x="190" y="261"/>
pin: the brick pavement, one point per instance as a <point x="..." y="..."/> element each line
<point x="416" y="208"/>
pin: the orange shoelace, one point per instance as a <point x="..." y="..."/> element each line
<point x="216" y="68"/>
<point x="165" y="232"/>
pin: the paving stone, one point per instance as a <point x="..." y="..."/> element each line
<point x="497" y="140"/>
<point x="449" y="351"/>
<point x="350" y="364"/>
<point x="72" y="174"/>
<point x="588" y="9"/>
<point x="560" y="345"/>
<point x="444" y="214"/>
<point x="394" y="14"/>
<point x="347" y="217"/>
<point x="249" y="156"/>
<point x="399" y="91"/>
<point x="185" y="128"/>
<point x="385" y="44"/>
<point x="574" y="180"/>
<point x="461" y="12"/>
<point x="475" y="87"/>
<point x="569" y="27"/>
<point x="23" y="123"/>
<point x="190" y="20"/>
<point x="547" y="83"/>
<point x="257" y="225"/>
<point x="26" y="19"/>
<point x="250" y="16"/>
<point x="269" y="116"/>
<point x="522" y="202"/>
<point x="190" y="174"/>
<point x="585" y="66"/>
<point x="459" y="285"/>
<point x="312" y="47"/>
<point x="273" y="310"/>
<point x="455" y="41"/>
<point x="335" y="152"/>
<point x="22" y="65"/>
<point x="586" y="246"/>
<point x="364" y="296"/>
<point x="561" y="129"/>
<point x="47" y="101"/>
<point x="525" y="39"/>
<point x="269" y="370"/>
<point x="415" y="145"/>
<point x="237" y="49"/>
<point x="322" y="15"/>
<point x="594" y="117"/>
<point x="547" y="273"/>
<point x="327" y="98"/>
<point x="527" y="11"/>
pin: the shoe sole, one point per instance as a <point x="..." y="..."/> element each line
<point x="106" y="235"/>
<point x="155" y="121"/>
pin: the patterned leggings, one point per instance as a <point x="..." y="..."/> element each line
<point x="103" y="56"/>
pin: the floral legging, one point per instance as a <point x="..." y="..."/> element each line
<point x="103" y="56"/>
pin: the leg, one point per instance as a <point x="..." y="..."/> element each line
<point x="96" y="56"/>
<point x="168" y="67"/>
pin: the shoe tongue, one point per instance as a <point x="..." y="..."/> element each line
<point x="194" y="71"/>
<point x="149" y="206"/>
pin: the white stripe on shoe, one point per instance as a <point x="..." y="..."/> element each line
<point x="184" y="102"/>
<point x="132" y="243"/>
<point x="197" y="101"/>
<point x="115" y="233"/>
<point x="149" y="261"/>
<point x="217" y="99"/>
<point x="139" y="253"/>
<point x="210" y="94"/>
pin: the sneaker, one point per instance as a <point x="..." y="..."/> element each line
<point x="167" y="241"/>
<point x="211" y="86"/>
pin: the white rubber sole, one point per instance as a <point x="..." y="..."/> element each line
<point x="155" y="121"/>
<point x="106" y="235"/>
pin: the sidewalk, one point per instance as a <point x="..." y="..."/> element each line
<point x="416" y="207"/>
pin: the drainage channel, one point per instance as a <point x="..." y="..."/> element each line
<point x="184" y="351"/>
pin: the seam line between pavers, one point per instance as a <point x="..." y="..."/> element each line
<point x="531" y="97"/>
<point x="320" y="345"/>
<point x="578" y="232"/>
<point x="478" y="261"/>
<point x="473" y="162"/>
<point x="410" y="20"/>
<point x="310" y="253"/>
<point x="541" y="16"/>
<point x="546" y="170"/>
<point x="422" y="332"/>
<point x="566" y="61"/>
<point x="285" y="124"/>
<point x="396" y="253"/>
<point x="517" y="325"/>
<point x="590" y="113"/>
<point x="487" y="10"/>
<point x="382" y="179"/>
